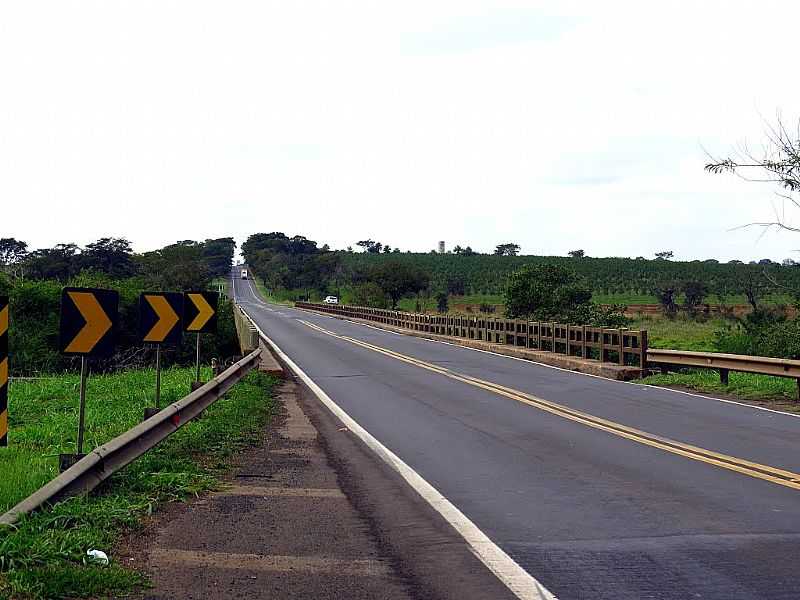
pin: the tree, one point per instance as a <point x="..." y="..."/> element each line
<point x="218" y="254"/>
<point x="370" y="246"/>
<point x="694" y="293"/>
<point x="369" y="294"/>
<point x="59" y="262"/>
<point x="777" y="164"/>
<point x="458" y="250"/>
<point x="112" y="256"/>
<point x="507" y="250"/>
<point x="752" y="284"/>
<point x="456" y="285"/>
<point x="274" y="242"/>
<point x="398" y="279"/>
<point x="387" y="249"/>
<point x="12" y="253"/>
<point x="442" y="302"/>
<point x="665" y="255"/>
<point x="548" y="293"/>
<point x="468" y="251"/>
<point x="179" y="266"/>
<point x="666" y="298"/>
<point x="576" y="253"/>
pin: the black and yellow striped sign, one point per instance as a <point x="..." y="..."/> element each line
<point x="3" y="371"/>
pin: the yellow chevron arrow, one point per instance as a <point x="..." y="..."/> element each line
<point x="167" y="318"/>
<point x="4" y="320"/>
<point x="204" y="312"/>
<point x="97" y="322"/>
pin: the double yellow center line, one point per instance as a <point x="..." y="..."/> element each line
<point x="759" y="471"/>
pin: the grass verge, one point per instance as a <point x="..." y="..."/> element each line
<point x="283" y="298"/>
<point x="681" y="333"/>
<point x="774" y="392"/>
<point x="44" y="555"/>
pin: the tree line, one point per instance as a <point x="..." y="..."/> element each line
<point x="296" y="263"/>
<point x="180" y="265"/>
<point x="489" y="274"/>
<point x="33" y="281"/>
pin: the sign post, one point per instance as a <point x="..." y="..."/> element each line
<point x="88" y="320"/>
<point x="159" y="325"/>
<point x="4" y="371"/>
<point x="82" y="412"/>
<point x="200" y="316"/>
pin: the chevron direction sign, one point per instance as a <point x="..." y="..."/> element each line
<point x="200" y="312"/>
<point x="88" y="321"/>
<point x="160" y="318"/>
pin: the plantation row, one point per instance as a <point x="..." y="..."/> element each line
<point x="488" y="274"/>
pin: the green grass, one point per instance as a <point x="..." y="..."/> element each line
<point x="680" y="333"/>
<point x="746" y="386"/>
<point x="429" y="304"/>
<point x="280" y="297"/>
<point x="43" y="556"/>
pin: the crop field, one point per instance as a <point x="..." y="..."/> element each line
<point x="628" y="280"/>
<point x="44" y="556"/>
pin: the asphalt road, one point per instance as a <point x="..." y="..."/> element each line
<point x="588" y="511"/>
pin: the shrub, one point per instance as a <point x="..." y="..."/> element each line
<point x="553" y="293"/>
<point x="33" y="332"/>
<point x="442" y="302"/>
<point x="694" y="294"/>
<point x="762" y="333"/>
<point x="370" y="294"/>
<point x="666" y="298"/>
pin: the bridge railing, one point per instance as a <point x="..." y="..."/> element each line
<point x="618" y="346"/>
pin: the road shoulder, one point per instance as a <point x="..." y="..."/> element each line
<point x="309" y="513"/>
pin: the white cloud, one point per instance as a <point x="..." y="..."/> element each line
<point x="473" y="122"/>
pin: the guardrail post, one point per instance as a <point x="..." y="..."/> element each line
<point x="723" y="376"/>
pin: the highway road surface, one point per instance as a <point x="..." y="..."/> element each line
<point x="595" y="488"/>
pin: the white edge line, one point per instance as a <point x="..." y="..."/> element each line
<point x="533" y="362"/>
<point x="519" y="581"/>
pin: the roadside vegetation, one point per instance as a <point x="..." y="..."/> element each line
<point x="294" y="268"/>
<point x="774" y="392"/>
<point x="44" y="555"/>
<point x="34" y="280"/>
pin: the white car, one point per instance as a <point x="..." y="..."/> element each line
<point x="331" y="300"/>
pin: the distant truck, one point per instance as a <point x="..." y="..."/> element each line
<point x="244" y="273"/>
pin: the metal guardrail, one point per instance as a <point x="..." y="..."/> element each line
<point x="620" y="346"/>
<point x="103" y="461"/>
<point x="760" y="365"/>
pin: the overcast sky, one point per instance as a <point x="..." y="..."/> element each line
<point x="556" y="125"/>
